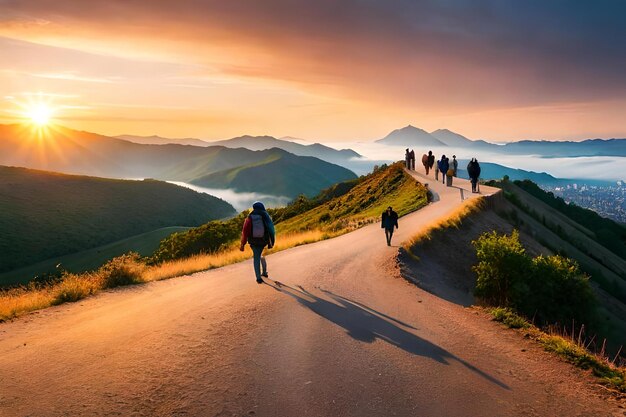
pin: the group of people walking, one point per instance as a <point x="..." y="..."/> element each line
<point x="449" y="168"/>
<point x="258" y="229"/>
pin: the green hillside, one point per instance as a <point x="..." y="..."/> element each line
<point x="338" y="209"/>
<point x="65" y="150"/>
<point x="606" y="232"/>
<point x="280" y="173"/>
<point x="354" y="204"/>
<point x="46" y="214"/>
<point x="144" y="244"/>
<point x="544" y="231"/>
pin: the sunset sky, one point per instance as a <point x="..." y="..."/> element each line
<point x="320" y="70"/>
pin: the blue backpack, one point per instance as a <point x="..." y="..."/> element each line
<point x="260" y="234"/>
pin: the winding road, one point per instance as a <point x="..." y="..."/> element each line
<point x="335" y="332"/>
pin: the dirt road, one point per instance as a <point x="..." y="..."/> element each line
<point x="337" y="333"/>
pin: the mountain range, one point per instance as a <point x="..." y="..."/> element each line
<point x="414" y="137"/>
<point x="256" y="143"/>
<point x="70" y="151"/>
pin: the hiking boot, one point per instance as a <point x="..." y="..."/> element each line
<point x="264" y="274"/>
<point x="259" y="281"/>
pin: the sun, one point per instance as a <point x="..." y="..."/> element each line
<point x="39" y="114"/>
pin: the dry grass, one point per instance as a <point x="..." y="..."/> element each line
<point x="129" y="269"/>
<point x="453" y="219"/>
<point x="571" y="349"/>
<point x="19" y="301"/>
<point x="203" y="262"/>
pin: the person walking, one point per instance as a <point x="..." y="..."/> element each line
<point x="473" y="170"/>
<point x="425" y="162"/>
<point x="431" y="160"/>
<point x="389" y="221"/>
<point x="437" y="165"/>
<point x="412" y="160"/>
<point x="455" y="165"/>
<point x="443" y="167"/>
<point x="407" y="159"/>
<point x="258" y="231"/>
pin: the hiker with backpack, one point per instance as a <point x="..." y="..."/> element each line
<point x="454" y="165"/>
<point x="412" y="160"/>
<point x="389" y="221"/>
<point x="258" y="231"/>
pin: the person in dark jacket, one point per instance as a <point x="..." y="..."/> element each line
<point x="443" y="167"/>
<point x="389" y="221"/>
<point x="258" y="231"/>
<point x="431" y="160"/>
<point x="407" y="159"/>
<point x="473" y="170"/>
<point x="412" y="160"/>
<point x="426" y="161"/>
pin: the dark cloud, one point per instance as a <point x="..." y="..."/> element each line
<point x="448" y="53"/>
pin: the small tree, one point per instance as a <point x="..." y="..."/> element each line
<point x="501" y="269"/>
<point x="547" y="288"/>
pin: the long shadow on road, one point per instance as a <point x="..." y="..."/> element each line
<point x="366" y="325"/>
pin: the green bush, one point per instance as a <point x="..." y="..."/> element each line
<point x="502" y="268"/>
<point x="211" y="237"/>
<point x="560" y="292"/>
<point x="547" y="288"/>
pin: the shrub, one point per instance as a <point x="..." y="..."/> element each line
<point x="211" y="237"/>
<point x="548" y="288"/>
<point x="127" y="269"/>
<point x="501" y="269"/>
<point x="559" y="291"/>
<point x="74" y="287"/>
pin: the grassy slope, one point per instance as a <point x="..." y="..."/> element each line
<point x="361" y="203"/>
<point x="537" y="238"/>
<point x="364" y="203"/>
<point x="144" y="244"/>
<point x="45" y="214"/>
<point x="280" y="173"/>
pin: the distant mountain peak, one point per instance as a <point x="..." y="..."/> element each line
<point x="410" y="136"/>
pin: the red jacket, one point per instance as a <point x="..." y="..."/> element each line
<point x="246" y="231"/>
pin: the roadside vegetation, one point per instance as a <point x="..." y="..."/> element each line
<point x="452" y="220"/>
<point x="340" y="209"/>
<point x="548" y="291"/>
<point x="573" y="348"/>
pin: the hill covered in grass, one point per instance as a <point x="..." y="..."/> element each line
<point x="65" y="150"/>
<point x="279" y="173"/>
<point x="358" y="203"/>
<point x="545" y="232"/>
<point x="338" y="209"/>
<point x="46" y="214"/>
